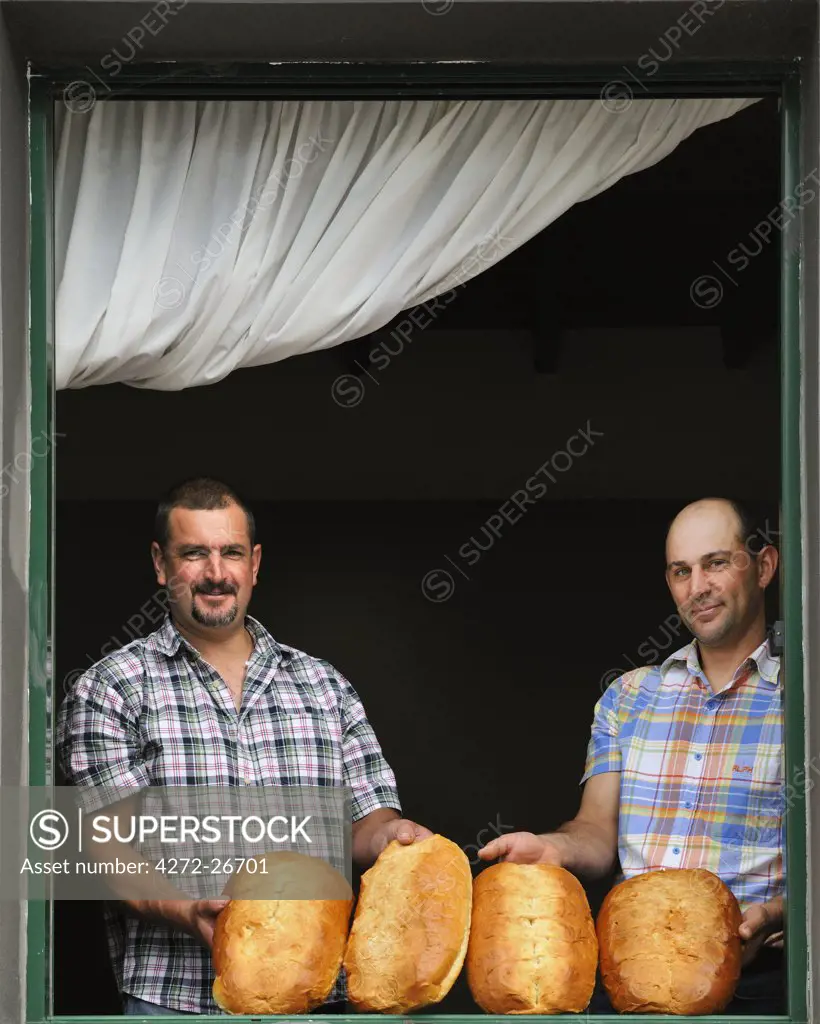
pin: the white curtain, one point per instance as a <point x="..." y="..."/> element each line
<point x="196" y="237"/>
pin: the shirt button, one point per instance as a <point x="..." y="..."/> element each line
<point x="688" y="803"/>
<point x="676" y="850"/>
<point x="710" y="705"/>
<point x="698" y="757"/>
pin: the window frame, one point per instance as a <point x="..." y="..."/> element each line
<point x="188" y="81"/>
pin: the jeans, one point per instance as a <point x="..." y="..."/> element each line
<point x="139" y="1008"/>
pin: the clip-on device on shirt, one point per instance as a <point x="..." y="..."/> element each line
<point x="777" y="638"/>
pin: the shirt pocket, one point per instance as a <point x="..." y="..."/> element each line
<point x="757" y="799"/>
<point x="298" y="748"/>
<point x="185" y="743"/>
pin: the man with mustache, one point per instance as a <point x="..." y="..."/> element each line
<point x="211" y="699"/>
<point x="685" y="763"/>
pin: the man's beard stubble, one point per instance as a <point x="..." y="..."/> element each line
<point x="710" y="639"/>
<point x="214" y="619"/>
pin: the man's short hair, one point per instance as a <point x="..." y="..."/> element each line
<point x="199" y="494"/>
<point x="758" y="526"/>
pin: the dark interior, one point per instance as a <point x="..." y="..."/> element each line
<point x="482" y="702"/>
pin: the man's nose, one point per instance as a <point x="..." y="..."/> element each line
<point x="214" y="568"/>
<point x="699" y="582"/>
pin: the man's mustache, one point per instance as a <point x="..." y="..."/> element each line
<point x="693" y="609"/>
<point x="214" y="588"/>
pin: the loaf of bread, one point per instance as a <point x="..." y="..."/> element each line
<point x="532" y="941"/>
<point x="411" y="927"/>
<point x="281" y="954"/>
<point x="669" y="943"/>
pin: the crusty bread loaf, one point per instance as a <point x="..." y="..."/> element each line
<point x="532" y="941"/>
<point x="411" y="927"/>
<point x="669" y="943"/>
<point x="281" y="955"/>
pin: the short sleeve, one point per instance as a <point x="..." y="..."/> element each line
<point x="366" y="772"/>
<point x="603" y="751"/>
<point x="97" y="740"/>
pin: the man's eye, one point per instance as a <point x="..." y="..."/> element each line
<point x="717" y="562"/>
<point x="680" y="572"/>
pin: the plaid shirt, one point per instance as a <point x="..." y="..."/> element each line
<point x="156" y="714"/>
<point x="702" y="782"/>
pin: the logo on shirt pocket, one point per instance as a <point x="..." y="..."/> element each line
<point x="758" y="799"/>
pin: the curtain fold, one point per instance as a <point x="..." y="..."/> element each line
<point x="196" y="237"/>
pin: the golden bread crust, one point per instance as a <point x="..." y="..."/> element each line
<point x="411" y="927"/>
<point x="281" y="955"/>
<point x="533" y="947"/>
<point x="669" y="943"/>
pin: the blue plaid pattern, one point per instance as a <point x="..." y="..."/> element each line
<point x="702" y="778"/>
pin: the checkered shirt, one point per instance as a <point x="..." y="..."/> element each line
<point x="156" y="714"/>
<point x="702" y="779"/>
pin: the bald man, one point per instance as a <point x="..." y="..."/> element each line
<point x="685" y="763"/>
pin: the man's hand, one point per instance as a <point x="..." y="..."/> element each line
<point x="522" y="848"/>
<point x="761" y="922"/>
<point x="196" y="917"/>
<point x="587" y="845"/>
<point x="375" y="830"/>
<point x="402" y="829"/>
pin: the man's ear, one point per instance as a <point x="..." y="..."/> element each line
<point x="158" y="558"/>
<point x="767" y="562"/>
<point x="256" y="560"/>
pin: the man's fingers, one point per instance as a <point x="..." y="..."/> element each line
<point x="209" y="910"/>
<point x="212" y="906"/>
<point x="755" y="918"/>
<point x="405" y="831"/>
<point x="495" y="848"/>
<point x="206" y="930"/>
<point x="204" y="919"/>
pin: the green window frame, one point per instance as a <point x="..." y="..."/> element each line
<point x="412" y="81"/>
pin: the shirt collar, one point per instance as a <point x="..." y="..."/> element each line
<point x="766" y="663"/>
<point x="169" y="640"/>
